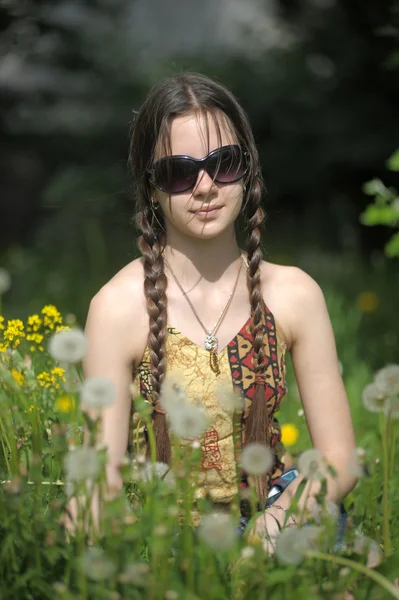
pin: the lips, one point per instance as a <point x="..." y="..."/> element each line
<point x="205" y="211"/>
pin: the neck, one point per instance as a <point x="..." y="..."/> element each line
<point x="207" y="258"/>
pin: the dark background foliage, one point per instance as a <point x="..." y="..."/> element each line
<point x="318" y="79"/>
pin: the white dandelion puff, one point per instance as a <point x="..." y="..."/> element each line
<point x="312" y="464"/>
<point x="172" y="391"/>
<point x="292" y="543"/>
<point x="388" y="379"/>
<point x="217" y="531"/>
<point x="366" y="546"/>
<point x="97" y="393"/>
<point x="391" y="408"/>
<point x="97" y="565"/>
<point x="228" y="398"/>
<point x="374" y="397"/>
<point x="149" y="471"/>
<point x="135" y="573"/>
<point x="5" y="281"/>
<point x="82" y="464"/>
<point x="247" y="552"/>
<point x="356" y="465"/>
<point x="257" y="459"/>
<point x="188" y="421"/>
<point x="68" y="346"/>
<point x="171" y="595"/>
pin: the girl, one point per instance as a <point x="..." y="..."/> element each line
<point x="195" y="302"/>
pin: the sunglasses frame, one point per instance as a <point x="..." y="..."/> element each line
<point x="201" y="163"/>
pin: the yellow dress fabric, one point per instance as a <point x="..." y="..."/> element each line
<point x="220" y="476"/>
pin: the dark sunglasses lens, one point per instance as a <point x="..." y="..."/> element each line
<point x="175" y="175"/>
<point x="228" y="165"/>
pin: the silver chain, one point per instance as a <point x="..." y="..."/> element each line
<point x="211" y="341"/>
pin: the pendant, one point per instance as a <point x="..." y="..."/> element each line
<point x="213" y="362"/>
<point x="211" y="342"/>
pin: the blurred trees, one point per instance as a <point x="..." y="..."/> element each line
<point x="316" y="77"/>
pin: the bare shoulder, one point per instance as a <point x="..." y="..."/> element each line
<point x="120" y="307"/>
<point x="292" y="295"/>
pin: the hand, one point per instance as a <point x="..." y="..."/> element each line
<point x="268" y="525"/>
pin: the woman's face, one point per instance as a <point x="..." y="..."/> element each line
<point x="189" y="212"/>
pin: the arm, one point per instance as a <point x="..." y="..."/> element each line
<point x="321" y="390"/>
<point x="110" y="355"/>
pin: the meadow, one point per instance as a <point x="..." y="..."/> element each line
<point x="145" y="546"/>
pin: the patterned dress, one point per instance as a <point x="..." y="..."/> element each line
<point x="221" y="477"/>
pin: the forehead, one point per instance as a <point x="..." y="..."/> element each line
<point x="196" y="134"/>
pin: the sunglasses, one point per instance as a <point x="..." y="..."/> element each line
<point x="177" y="174"/>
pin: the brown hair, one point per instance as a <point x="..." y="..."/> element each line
<point x="179" y="95"/>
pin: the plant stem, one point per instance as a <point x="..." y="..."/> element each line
<point x="346" y="562"/>
<point x="385" y="427"/>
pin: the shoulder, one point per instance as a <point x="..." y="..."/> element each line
<point x="119" y="309"/>
<point x="293" y="296"/>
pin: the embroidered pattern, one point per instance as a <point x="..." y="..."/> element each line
<point x="211" y="456"/>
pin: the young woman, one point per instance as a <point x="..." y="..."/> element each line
<point x="198" y="303"/>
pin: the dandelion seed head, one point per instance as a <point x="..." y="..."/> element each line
<point x="97" y="393"/>
<point x="68" y="346"/>
<point x="292" y="543"/>
<point x="247" y="552"/>
<point x="257" y="459"/>
<point x="228" y="398"/>
<point x="357" y="466"/>
<point x="365" y="545"/>
<point x="388" y="379"/>
<point x="81" y="464"/>
<point x="135" y="573"/>
<point x="147" y="471"/>
<point x="217" y="531"/>
<point x="312" y="464"/>
<point x="97" y="565"/>
<point x="188" y="421"/>
<point x="173" y="391"/>
<point x="5" y="281"/>
<point x="171" y="595"/>
<point x="374" y="397"/>
<point x="391" y="408"/>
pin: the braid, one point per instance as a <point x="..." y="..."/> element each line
<point x="155" y="284"/>
<point x="257" y="424"/>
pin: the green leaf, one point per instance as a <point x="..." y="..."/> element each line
<point x="377" y="214"/>
<point x="374" y="187"/>
<point x="393" y="161"/>
<point x="392" y="247"/>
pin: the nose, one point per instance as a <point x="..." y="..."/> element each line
<point x="204" y="184"/>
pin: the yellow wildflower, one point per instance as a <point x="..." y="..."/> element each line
<point x="34" y="323"/>
<point x="14" y="332"/>
<point x="62" y="328"/>
<point x="19" y="378"/>
<point x="52" y="378"/>
<point x="1" y="322"/>
<point x="31" y="408"/>
<point x="65" y="404"/>
<point x="51" y="317"/>
<point x="367" y="302"/>
<point x="289" y="434"/>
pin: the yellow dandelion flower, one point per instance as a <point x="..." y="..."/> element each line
<point x="65" y="404"/>
<point x="1" y="322"/>
<point x="289" y="434"/>
<point x="19" y="378"/>
<point x="367" y="302"/>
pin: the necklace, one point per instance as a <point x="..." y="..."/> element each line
<point x="211" y="341"/>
